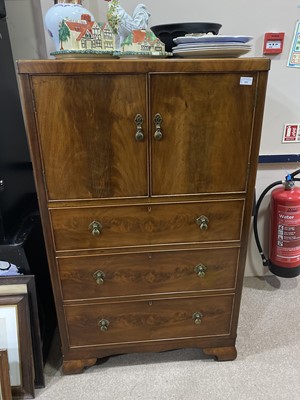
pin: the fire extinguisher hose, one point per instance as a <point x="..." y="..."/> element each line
<point x="290" y="177"/>
<point x="265" y="261"/>
<point x="293" y="174"/>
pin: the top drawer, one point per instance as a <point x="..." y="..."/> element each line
<point x="143" y="225"/>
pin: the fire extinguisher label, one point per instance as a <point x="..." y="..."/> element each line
<point x="288" y="233"/>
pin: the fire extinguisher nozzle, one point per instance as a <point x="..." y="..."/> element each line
<point x="288" y="177"/>
<point x="265" y="261"/>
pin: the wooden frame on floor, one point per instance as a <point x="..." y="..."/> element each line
<point x="5" y="389"/>
<point x="15" y="336"/>
<point x="25" y="284"/>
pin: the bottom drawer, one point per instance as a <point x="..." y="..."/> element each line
<point x="148" y="320"/>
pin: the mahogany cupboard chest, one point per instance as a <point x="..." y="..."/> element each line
<point x="145" y="174"/>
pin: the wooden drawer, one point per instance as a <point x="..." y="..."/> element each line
<point x="152" y="320"/>
<point x="146" y="225"/>
<point x="146" y="273"/>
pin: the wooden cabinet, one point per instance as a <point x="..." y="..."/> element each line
<point x="145" y="173"/>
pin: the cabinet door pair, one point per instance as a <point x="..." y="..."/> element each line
<point x="134" y="135"/>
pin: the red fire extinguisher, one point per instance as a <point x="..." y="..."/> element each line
<point x="284" y="244"/>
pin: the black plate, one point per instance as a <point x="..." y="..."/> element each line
<point x="167" y="32"/>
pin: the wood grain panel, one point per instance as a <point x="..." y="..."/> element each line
<point x="145" y="225"/>
<point x="147" y="273"/>
<point x="148" y="320"/>
<point x="87" y="135"/>
<point x="207" y="130"/>
<point x="143" y="66"/>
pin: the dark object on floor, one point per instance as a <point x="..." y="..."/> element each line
<point x="26" y="249"/>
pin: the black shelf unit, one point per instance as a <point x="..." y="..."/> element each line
<point x="21" y="237"/>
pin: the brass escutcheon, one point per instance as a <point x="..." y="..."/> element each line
<point x="139" y="136"/>
<point x="202" y="221"/>
<point x="200" y="270"/>
<point x="197" y="317"/>
<point x="95" y="227"/>
<point x="103" y="324"/>
<point x="158" y="121"/>
<point x="99" y="277"/>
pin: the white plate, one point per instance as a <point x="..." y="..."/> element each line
<point x="229" y="45"/>
<point x="211" y="53"/>
<point x="212" y="38"/>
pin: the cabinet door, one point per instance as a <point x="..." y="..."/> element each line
<point x="87" y="134"/>
<point x="206" y="132"/>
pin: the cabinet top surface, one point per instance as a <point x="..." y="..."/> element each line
<point x="142" y="65"/>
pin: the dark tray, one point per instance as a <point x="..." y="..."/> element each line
<point x="167" y="32"/>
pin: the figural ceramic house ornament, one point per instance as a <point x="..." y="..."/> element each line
<point x="76" y="33"/>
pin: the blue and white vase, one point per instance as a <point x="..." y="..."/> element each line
<point x="71" y="9"/>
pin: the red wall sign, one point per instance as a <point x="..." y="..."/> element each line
<point x="291" y="133"/>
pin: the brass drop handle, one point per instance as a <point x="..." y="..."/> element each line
<point x="197" y="317"/>
<point x="139" y="136"/>
<point x="158" y="121"/>
<point x="200" y="270"/>
<point x="99" y="277"/>
<point x="103" y="325"/>
<point x="95" y="227"/>
<point x="202" y="221"/>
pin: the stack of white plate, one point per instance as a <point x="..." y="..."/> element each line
<point x="206" y="45"/>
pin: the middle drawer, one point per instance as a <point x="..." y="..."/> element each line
<point x="76" y="228"/>
<point x="145" y="273"/>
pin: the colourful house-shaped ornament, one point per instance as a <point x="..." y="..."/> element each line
<point x="143" y="42"/>
<point x="85" y="34"/>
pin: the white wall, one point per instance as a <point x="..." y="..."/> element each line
<point x="238" y="17"/>
<point x="26" y="29"/>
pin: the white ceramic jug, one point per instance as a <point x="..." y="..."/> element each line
<point x="71" y="9"/>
